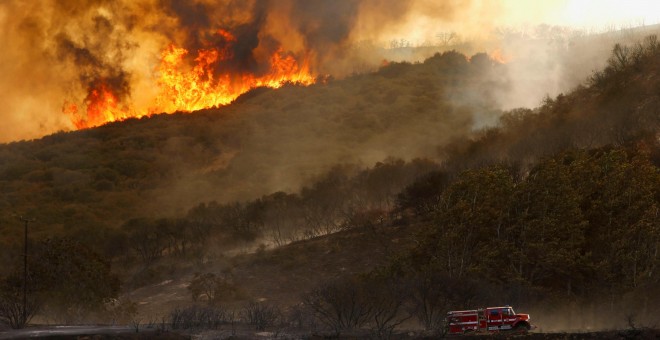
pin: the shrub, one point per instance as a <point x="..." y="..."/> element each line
<point x="198" y="317"/>
<point x="261" y="315"/>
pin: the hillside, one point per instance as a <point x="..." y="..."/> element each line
<point x="162" y="166"/>
<point x="563" y="197"/>
<point x="558" y="169"/>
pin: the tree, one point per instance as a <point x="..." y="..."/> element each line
<point x="429" y="299"/>
<point x="147" y="238"/>
<point x="11" y="302"/>
<point x="423" y="195"/>
<point x="340" y="305"/>
<point x="238" y="221"/>
<point x="446" y="38"/>
<point x="325" y="203"/>
<point x="619" y="191"/>
<point x="431" y="292"/>
<point x="386" y="296"/>
<point x="283" y="217"/>
<point x="72" y="279"/>
<point x="468" y="229"/>
<point x="547" y="231"/>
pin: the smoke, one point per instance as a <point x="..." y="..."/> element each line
<point x="57" y="54"/>
<point x="637" y="309"/>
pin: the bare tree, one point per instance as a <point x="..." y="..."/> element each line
<point x="340" y="305"/>
<point x="446" y="38"/>
<point x="11" y="304"/>
<point x="386" y="297"/>
<point x="430" y="299"/>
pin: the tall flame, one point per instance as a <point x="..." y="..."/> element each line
<point x="199" y="87"/>
<point x="102" y="107"/>
<point x="182" y="87"/>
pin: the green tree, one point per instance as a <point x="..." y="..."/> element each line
<point x="620" y="191"/>
<point x="547" y="229"/>
<point x="469" y="228"/>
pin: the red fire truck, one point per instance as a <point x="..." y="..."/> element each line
<point x="491" y="319"/>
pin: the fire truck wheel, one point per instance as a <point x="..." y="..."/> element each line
<point x="522" y="327"/>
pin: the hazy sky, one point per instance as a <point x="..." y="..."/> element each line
<point x="603" y="13"/>
<point x="479" y="17"/>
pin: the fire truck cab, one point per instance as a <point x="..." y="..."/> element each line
<point x="491" y="319"/>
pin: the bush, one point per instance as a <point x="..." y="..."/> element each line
<point x="72" y="280"/>
<point x="198" y="317"/>
<point x="261" y="315"/>
<point x="213" y="288"/>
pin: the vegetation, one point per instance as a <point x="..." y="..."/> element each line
<point x="213" y="289"/>
<point x="66" y="281"/>
<point x="12" y="310"/>
<point x="554" y="205"/>
<point x="580" y="224"/>
<point x="196" y="317"/>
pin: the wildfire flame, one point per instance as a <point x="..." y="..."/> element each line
<point x="102" y="107"/>
<point x="199" y="88"/>
<point x="182" y="87"/>
<point x="500" y="56"/>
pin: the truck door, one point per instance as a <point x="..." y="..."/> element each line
<point x="494" y="319"/>
<point x="508" y="318"/>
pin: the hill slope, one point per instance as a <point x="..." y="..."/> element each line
<point x="573" y="155"/>
<point x="269" y="140"/>
<point x="585" y="246"/>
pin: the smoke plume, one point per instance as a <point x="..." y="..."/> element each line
<point x="72" y="64"/>
<point x="81" y="63"/>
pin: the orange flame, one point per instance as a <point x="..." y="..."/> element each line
<point x="189" y="90"/>
<point x="500" y="57"/>
<point x="182" y="87"/>
<point x="102" y="107"/>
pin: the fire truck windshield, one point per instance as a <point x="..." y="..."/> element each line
<point x="508" y="311"/>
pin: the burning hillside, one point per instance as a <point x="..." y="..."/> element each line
<point x="208" y="80"/>
<point x="217" y="59"/>
<point x="82" y="63"/>
<point x="162" y="197"/>
<point x="105" y="61"/>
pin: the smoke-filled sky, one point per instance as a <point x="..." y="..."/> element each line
<point x="68" y="63"/>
